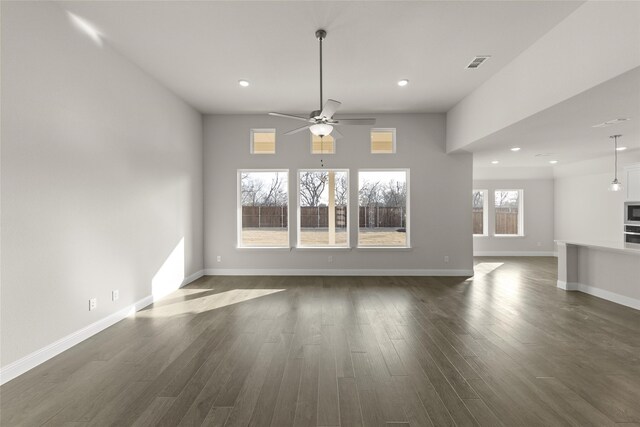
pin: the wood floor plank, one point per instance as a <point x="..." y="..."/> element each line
<point x="350" y="413"/>
<point x="506" y="347"/>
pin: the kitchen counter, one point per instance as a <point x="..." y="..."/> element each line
<point x="605" y="269"/>
<point x="616" y="246"/>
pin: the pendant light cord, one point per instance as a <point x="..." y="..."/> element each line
<point x="615" y="156"/>
<point x="320" y="38"/>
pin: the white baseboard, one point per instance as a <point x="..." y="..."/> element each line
<point x="600" y="293"/>
<point x="514" y="253"/>
<point x="30" y="361"/>
<point x="333" y="272"/>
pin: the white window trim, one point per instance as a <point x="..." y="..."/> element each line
<point x="520" y="213"/>
<point x="239" y="211"/>
<point x="299" y="245"/>
<point x="335" y="146"/>
<point x="408" y="225"/>
<point x="485" y="213"/>
<point x="392" y="130"/>
<point x="264" y="130"/>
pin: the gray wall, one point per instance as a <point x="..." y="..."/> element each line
<point x="101" y="179"/>
<point x="538" y="219"/>
<point x="584" y="207"/>
<point x="440" y="187"/>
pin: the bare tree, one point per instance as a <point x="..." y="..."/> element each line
<point x="312" y="186"/>
<point x="478" y="199"/>
<point x="370" y="194"/>
<point x="250" y="190"/>
<point x="342" y="190"/>
<point x="394" y="194"/>
<point x="507" y="199"/>
<point x="276" y="194"/>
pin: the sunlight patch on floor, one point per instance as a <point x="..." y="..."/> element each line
<point x="206" y="302"/>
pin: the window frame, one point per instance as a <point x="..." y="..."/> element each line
<point x="407" y="172"/>
<point x="299" y="245"/>
<point x="239" y="244"/>
<point x="520" y="212"/>
<point x="393" y="142"/>
<point x="263" y="130"/>
<point x="485" y="212"/>
<point x="335" y="148"/>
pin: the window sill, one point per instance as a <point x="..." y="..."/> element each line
<point x="509" y="236"/>
<point x="263" y="248"/>
<point x="384" y="248"/>
<point x="480" y="235"/>
<point x="322" y="248"/>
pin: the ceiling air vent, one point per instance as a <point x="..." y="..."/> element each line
<point x="477" y="61"/>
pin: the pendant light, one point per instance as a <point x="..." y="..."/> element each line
<point x="615" y="184"/>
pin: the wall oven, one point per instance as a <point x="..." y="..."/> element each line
<point x="632" y="213"/>
<point x="632" y="235"/>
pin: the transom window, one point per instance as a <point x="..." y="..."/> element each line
<point x="324" y="145"/>
<point x="263" y="141"/>
<point x="383" y="141"/>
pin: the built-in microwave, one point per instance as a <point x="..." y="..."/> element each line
<point x="632" y="213"/>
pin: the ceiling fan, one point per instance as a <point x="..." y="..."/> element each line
<point x="321" y="122"/>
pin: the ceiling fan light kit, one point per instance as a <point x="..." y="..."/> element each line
<point x="322" y="121"/>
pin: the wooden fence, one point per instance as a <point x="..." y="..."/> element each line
<point x="278" y="216"/>
<point x="506" y="221"/>
<point x="381" y="216"/>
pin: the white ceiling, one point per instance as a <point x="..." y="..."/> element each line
<point x="200" y="50"/>
<point x="566" y="130"/>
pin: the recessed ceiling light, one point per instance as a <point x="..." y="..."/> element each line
<point x="495" y="162"/>
<point x="515" y="149"/>
<point x="621" y="148"/>
<point x="553" y="162"/>
<point x="403" y="82"/>
<point x="243" y="83"/>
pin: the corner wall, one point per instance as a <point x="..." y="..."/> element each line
<point x="585" y="210"/>
<point x="440" y="189"/>
<point x="101" y="183"/>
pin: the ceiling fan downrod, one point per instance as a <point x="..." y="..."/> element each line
<point x="321" y="35"/>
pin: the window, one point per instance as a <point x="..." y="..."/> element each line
<point x="508" y="213"/>
<point x="480" y="212"/>
<point x="263" y="141"/>
<point x="323" y="204"/>
<point x="383" y="208"/>
<point x="263" y="201"/>
<point x="325" y="145"/>
<point x="383" y="141"/>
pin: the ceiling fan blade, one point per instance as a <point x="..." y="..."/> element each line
<point x="289" y="116"/>
<point x="336" y="135"/>
<point x="354" y="122"/>
<point x="291" y="132"/>
<point x="330" y="108"/>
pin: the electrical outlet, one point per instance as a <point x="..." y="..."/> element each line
<point x="115" y="294"/>
<point x="93" y="304"/>
<point x="330" y="259"/>
<point x="446" y="258"/>
<point x="218" y="258"/>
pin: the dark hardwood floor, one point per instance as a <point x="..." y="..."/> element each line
<point x="503" y="348"/>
